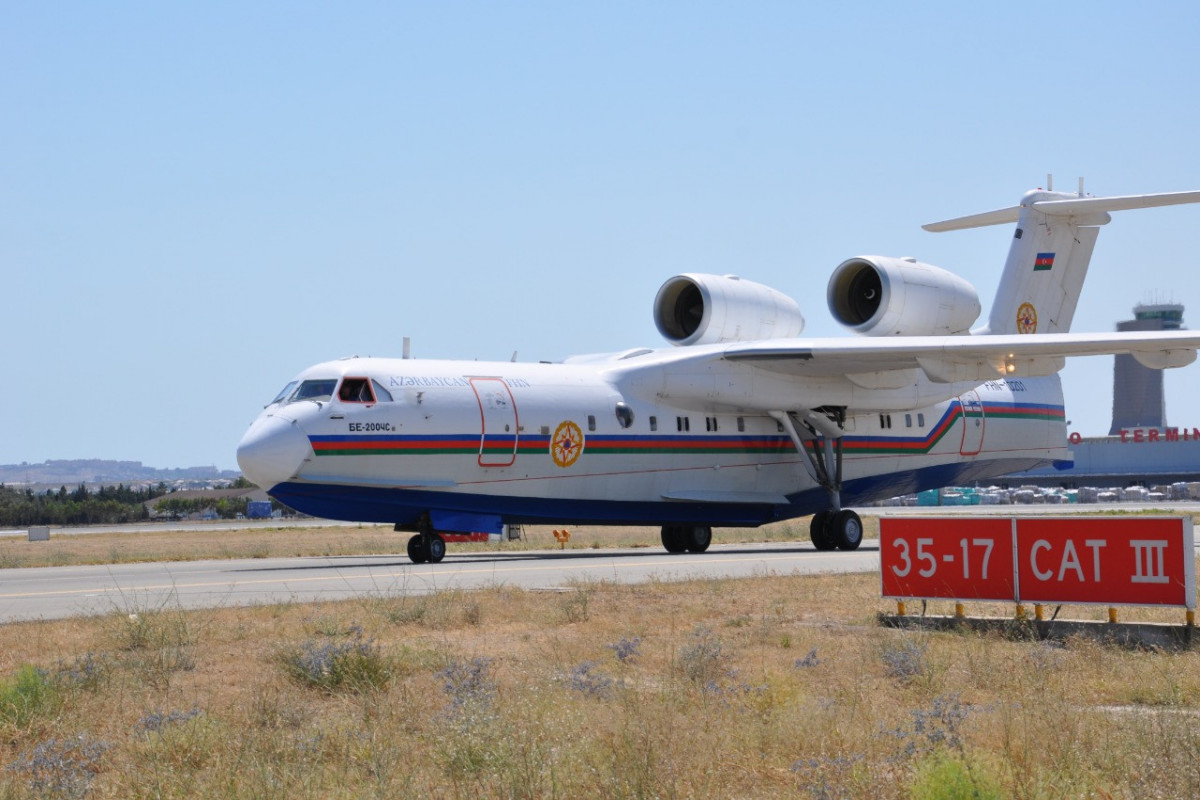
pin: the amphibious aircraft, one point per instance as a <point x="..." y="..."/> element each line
<point x="740" y="422"/>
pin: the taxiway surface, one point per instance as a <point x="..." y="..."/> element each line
<point x="59" y="592"/>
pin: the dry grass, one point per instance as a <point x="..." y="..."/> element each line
<point x="767" y="687"/>
<point x="67" y="548"/>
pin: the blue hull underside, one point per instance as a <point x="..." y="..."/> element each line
<point x="405" y="507"/>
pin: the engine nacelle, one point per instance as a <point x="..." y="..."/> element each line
<point x="882" y="296"/>
<point x="695" y="308"/>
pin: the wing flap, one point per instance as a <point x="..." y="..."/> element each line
<point x="951" y="359"/>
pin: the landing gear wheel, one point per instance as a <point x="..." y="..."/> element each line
<point x="845" y="529"/>
<point x="435" y="547"/>
<point x="416" y="550"/>
<point x="819" y="530"/>
<point x="674" y="538"/>
<point x="698" y="538"/>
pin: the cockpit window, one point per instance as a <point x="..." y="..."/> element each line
<point x="356" y="390"/>
<point x="319" y="390"/>
<point x="381" y="394"/>
<point x="287" y="390"/>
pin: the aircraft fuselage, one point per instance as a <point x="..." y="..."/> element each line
<point x="604" y="441"/>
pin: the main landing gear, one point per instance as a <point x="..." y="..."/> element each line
<point x="817" y="434"/>
<point x="427" y="545"/>
<point x="841" y="530"/>
<point x="690" y="538"/>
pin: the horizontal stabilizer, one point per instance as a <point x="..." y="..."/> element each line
<point x="1078" y="206"/>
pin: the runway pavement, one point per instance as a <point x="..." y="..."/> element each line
<point x="59" y="592"/>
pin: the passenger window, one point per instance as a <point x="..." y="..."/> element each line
<point x="356" y="390"/>
<point x="381" y="394"/>
<point x="317" y="391"/>
<point x="591" y="422"/>
<point x="653" y="423"/>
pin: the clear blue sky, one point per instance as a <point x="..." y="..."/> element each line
<point x="199" y="200"/>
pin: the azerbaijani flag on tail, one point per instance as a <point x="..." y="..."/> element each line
<point x="1043" y="261"/>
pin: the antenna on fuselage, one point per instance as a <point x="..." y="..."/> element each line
<point x="407" y="347"/>
<point x="514" y="358"/>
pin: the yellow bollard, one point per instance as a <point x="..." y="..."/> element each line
<point x="1037" y="612"/>
<point x="959" y="611"/>
<point x="900" y="608"/>
<point x="1112" y="615"/>
<point x="1191" y="618"/>
<point x="1020" y="611"/>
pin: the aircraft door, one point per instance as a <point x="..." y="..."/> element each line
<point x="498" y="419"/>
<point x="973" y="424"/>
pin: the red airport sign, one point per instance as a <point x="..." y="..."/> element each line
<point x="1141" y="561"/>
<point x="963" y="558"/>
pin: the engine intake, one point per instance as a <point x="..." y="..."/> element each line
<point x="696" y="308"/>
<point x="882" y="296"/>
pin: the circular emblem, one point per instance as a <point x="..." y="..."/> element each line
<point x="1026" y="318"/>
<point x="567" y="444"/>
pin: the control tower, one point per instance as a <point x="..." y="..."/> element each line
<point x="1138" y="400"/>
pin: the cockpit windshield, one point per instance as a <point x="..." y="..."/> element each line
<point x="320" y="390"/>
<point x="283" y="395"/>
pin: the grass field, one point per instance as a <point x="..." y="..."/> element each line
<point x="776" y="686"/>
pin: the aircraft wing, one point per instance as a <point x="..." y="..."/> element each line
<point x="871" y="361"/>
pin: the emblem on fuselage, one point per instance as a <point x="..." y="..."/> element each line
<point x="1026" y="318"/>
<point x="566" y="444"/>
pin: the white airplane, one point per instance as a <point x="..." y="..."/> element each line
<point x="740" y="423"/>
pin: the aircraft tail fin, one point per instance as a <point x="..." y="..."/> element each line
<point x="1049" y="256"/>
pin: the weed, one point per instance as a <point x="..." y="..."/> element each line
<point x="575" y="604"/>
<point x="85" y="672"/>
<point x="937" y="728"/>
<point x="31" y="694"/>
<point x="468" y="683"/>
<point x="158" y="642"/>
<point x="155" y="721"/>
<point x="942" y="776"/>
<point x="808" y="661"/>
<point x="905" y="661"/>
<point x="626" y="649"/>
<point x="829" y="778"/>
<point x="62" y="767"/>
<point x="354" y="665"/>
<point x="586" y="679"/>
<point x="702" y="659"/>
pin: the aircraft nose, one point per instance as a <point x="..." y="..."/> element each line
<point x="272" y="451"/>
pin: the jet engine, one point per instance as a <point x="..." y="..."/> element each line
<point x="695" y="308"/>
<point x="882" y="296"/>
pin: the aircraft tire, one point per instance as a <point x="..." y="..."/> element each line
<point x="416" y="552"/>
<point x="698" y="538"/>
<point x="819" y="530"/>
<point x="435" y="547"/>
<point x="673" y="538"/>
<point x="845" y="529"/>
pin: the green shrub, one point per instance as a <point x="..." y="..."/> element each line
<point x="945" y="777"/>
<point x="28" y="695"/>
